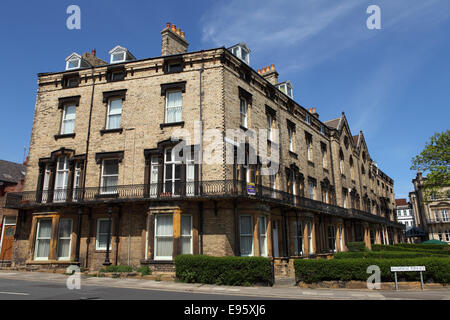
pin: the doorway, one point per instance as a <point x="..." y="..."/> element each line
<point x="276" y="251"/>
<point x="7" y="238"/>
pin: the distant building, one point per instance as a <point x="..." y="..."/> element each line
<point x="404" y="213"/>
<point x="12" y="176"/>
<point x="431" y="212"/>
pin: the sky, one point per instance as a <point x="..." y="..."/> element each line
<point x="392" y="83"/>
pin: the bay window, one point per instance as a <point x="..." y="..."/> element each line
<point x="186" y="234"/>
<point x="64" y="239"/>
<point x="263" y="236"/>
<point x="163" y="237"/>
<point x="246" y="235"/>
<point x="43" y="236"/>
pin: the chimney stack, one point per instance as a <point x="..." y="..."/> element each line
<point x="173" y="40"/>
<point x="94" y="52"/>
<point x="314" y="113"/>
<point x="270" y="74"/>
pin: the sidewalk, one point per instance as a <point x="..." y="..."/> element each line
<point x="257" y="292"/>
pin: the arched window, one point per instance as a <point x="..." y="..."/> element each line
<point x="352" y="169"/>
<point x="341" y="161"/>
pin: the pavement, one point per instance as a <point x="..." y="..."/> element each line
<point x="39" y="285"/>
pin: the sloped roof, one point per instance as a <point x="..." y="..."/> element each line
<point x="333" y="123"/>
<point x="355" y="140"/>
<point x="93" y="60"/>
<point x="401" y="202"/>
<point x="11" y="172"/>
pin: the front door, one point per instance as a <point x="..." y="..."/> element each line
<point x="9" y="228"/>
<point x="276" y="252"/>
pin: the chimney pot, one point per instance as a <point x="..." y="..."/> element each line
<point x="168" y="25"/>
<point x="182" y="34"/>
<point x="272" y="67"/>
<point x="179" y="31"/>
<point x="94" y="52"/>
<point x="174" y="28"/>
<point x="314" y="110"/>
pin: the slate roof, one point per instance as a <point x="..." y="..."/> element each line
<point x="333" y="123"/>
<point x="401" y="202"/>
<point x="11" y="172"/>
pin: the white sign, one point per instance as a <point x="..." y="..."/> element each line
<point x="406" y="269"/>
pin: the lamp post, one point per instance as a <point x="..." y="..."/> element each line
<point x="108" y="240"/>
<point x="77" y="248"/>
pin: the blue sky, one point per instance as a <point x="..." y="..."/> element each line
<point x="392" y="83"/>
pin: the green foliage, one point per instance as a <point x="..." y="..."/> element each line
<point x="435" y="161"/>
<point x="356" y="246"/>
<point x="113" y="269"/>
<point x="312" y="271"/>
<point x="387" y="255"/>
<point x="432" y="249"/>
<point x="144" y="270"/>
<point x="235" y="271"/>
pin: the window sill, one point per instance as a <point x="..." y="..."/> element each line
<point x="311" y="164"/>
<point x="64" y="136"/>
<point x="172" y="124"/>
<point x="106" y="131"/>
<point x="293" y="154"/>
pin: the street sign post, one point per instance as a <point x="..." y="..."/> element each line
<point x="409" y="269"/>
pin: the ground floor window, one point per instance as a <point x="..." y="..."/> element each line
<point x="310" y="239"/>
<point x="64" y="239"/>
<point x="164" y="237"/>
<point x="447" y="235"/>
<point x="246" y="235"/>
<point x="43" y="237"/>
<point x="332" y="238"/>
<point x="440" y="235"/>
<point x="186" y="234"/>
<point x="341" y="242"/>
<point x="297" y="229"/>
<point x="103" y="228"/>
<point x="372" y="237"/>
<point x="263" y="236"/>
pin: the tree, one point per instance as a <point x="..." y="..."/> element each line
<point x="434" y="160"/>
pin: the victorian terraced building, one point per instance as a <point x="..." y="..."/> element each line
<point x="104" y="185"/>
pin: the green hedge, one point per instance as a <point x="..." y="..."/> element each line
<point x="311" y="271"/>
<point x="235" y="271"/>
<point x="117" y="269"/>
<point x="356" y="246"/>
<point x="417" y="248"/>
<point x="386" y="255"/>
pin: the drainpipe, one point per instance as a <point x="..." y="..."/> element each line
<point x="200" y="228"/>
<point x="77" y="248"/>
<point x="89" y="131"/>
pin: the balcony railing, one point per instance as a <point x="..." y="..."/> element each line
<point x="438" y="221"/>
<point x="183" y="190"/>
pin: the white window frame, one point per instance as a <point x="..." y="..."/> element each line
<point x="102" y="183"/>
<point x="262" y="235"/>
<point x="246" y="235"/>
<point x="444" y="215"/>
<point x="309" y="149"/>
<point x="324" y="158"/>
<point x="341" y="243"/>
<point x="178" y="109"/>
<point x="156" y="257"/>
<point x="447" y="235"/>
<point x="60" y="191"/>
<point x="244" y="112"/>
<point x="71" y="60"/>
<point x="97" y="244"/>
<point x="308" y="119"/>
<point x="312" y="190"/>
<point x="109" y="114"/>
<point x="46" y="184"/>
<point x="65" y="121"/>
<point x="333" y="237"/>
<point x="76" y="181"/>
<point x="116" y="53"/>
<point x="190" y="236"/>
<point x="173" y="165"/>
<point x="154" y="176"/>
<point x="66" y="258"/>
<point x="310" y="240"/>
<point x="295" y="226"/>
<point x="36" y="258"/>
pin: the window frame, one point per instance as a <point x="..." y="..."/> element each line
<point x="102" y="183"/>
<point x="262" y="235"/>
<point x="65" y="258"/>
<point x="64" y="120"/>
<point x="251" y="254"/>
<point x="37" y="239"/>
<point x="296" y="237"/>
<point x="108" y="113"/>
<point x="156" y="257"/>
<point x="97" y="235"/>
<point x="167" y="93"/>
<point x="190" y="236"/>
<point x="73" y="68"/>
<point x="243" y="114"/>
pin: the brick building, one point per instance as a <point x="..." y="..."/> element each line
<point x="105" y="185"/>
<point x="12" y="177"/>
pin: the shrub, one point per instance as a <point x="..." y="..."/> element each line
<point x="144" y="270"/>
<point x="356" y="246"/>
<point x="117" y="269"/>
<point x="310" y="271"/>
<point x="417" y="248"/>
<point x="233" y="271"/>
<point x="386" y="255"/>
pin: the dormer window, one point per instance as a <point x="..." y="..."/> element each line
<point x="242" y="52"/>
<point x="75" y="61"/>
<point x="120" y="54"/>
<point x="286" y="88"/>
